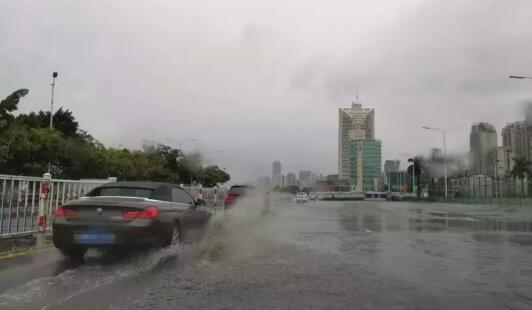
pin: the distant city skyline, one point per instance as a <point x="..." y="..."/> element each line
<point x="270" y="92"/>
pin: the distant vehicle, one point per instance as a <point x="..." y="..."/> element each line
<point x="235" y="193"/>
<point x="376" y="196"/>
<point x="301" y="197"/>
<point x="128" y="215"/>
<point x="312" y="196"/>
<point x="394" y="196"/>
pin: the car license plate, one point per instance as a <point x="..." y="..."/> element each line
<point x="94" y="238"/>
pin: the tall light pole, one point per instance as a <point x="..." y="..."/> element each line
<point x="442" y="131"/>
<point x="54" y="76"/>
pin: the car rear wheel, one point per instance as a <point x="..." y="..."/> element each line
<point x="73" y="252"/>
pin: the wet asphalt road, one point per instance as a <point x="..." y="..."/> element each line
<point x="324" y="255"/>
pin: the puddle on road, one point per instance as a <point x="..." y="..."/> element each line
<point x="242" y="234"/>
<point x="98" y="270"/>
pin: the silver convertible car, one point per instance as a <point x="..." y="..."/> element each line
<point x="128" y="215"/>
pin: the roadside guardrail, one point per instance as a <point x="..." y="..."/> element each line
<point x="27" y="204"/>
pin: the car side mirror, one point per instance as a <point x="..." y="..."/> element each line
<point x="201" y="202"/>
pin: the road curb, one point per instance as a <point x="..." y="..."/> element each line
<point x="12" y="246"/>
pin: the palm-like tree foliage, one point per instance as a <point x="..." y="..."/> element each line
<point x="522" y="168"/>
<point x="10" y="104"/>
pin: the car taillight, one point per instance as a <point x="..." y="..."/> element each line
<point x="229" y="197"/>
<point x="65" y="212"/>
<point x="147" y="213"/>
<point x="129" y="215"/>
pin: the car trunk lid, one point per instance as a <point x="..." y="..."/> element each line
<point x="105" y="209"/>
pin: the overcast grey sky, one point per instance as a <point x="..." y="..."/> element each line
<point x="263" y="80"/>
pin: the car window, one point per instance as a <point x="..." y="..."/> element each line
<point x="122" y="192"/>
<point x="180" y="196"/>
<point x="238" y="190"/>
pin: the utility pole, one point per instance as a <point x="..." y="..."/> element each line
<point x="445" y="162"/>
<point x="54" y="76"/>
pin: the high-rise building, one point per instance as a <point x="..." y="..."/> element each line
<point x="291" y="179"/>
<point x="436" y="154"/>
<point x="482" y="141"/>
<point x="276" y="167"/>
<point x="277" y="177"/>
<point x="397" y="181"/>
<point x="355" y="123"/>
<point x="364" y="164"/>
<point x="517" y="137"/>
<point x="390" y="166"/>
<point x="502" y="161"/>
<point x="304" y="177"/>
<point x="315" y="178"/>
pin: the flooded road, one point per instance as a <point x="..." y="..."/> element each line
<point x="323" y="255"/>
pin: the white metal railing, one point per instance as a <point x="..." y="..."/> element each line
<point x="214" y="196"/>
<point x="28" y="203"/>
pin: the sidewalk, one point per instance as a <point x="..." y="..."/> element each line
<point x="13" y="246"/>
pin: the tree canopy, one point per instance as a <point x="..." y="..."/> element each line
<point x="27" y="145"/>
<point x="522" y="168"/>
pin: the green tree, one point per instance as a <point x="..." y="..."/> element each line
<point x="27" y="145"/>
<point x="15" y="149"/>
<point x="417" y="168"/>
<point x="10" y="104"/>
<point x="28" y="151"/>
<point x="63" y="120"/>
<point x="522" y="168"/>
<point x="189" y="167"/>
<point x="212" y="175"/>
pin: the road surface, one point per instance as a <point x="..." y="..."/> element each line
<point x="323" y="255"/>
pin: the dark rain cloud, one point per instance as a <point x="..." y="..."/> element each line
<point x="263" y="80"/>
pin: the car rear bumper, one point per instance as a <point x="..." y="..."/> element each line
<point x="65" y="236"/>
<point x="229" y="204"/>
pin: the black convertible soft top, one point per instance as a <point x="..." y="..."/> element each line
<point x="158" y="190"/>
<point x="138" y="184"/>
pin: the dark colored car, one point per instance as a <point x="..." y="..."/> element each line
<point x="235" y="193"/>
<point x="128" y="215"/>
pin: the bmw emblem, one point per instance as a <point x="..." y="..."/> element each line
<point x="99" y="211"/>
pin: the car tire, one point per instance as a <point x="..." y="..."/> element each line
<point x="73" y="252"/>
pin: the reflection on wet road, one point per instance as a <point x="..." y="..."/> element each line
<point x="324" y="255"/>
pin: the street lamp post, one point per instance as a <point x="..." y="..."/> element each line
<point x="54" y="76"/>
<point x="520" y="77"/>
<point x="442" y="131"/>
